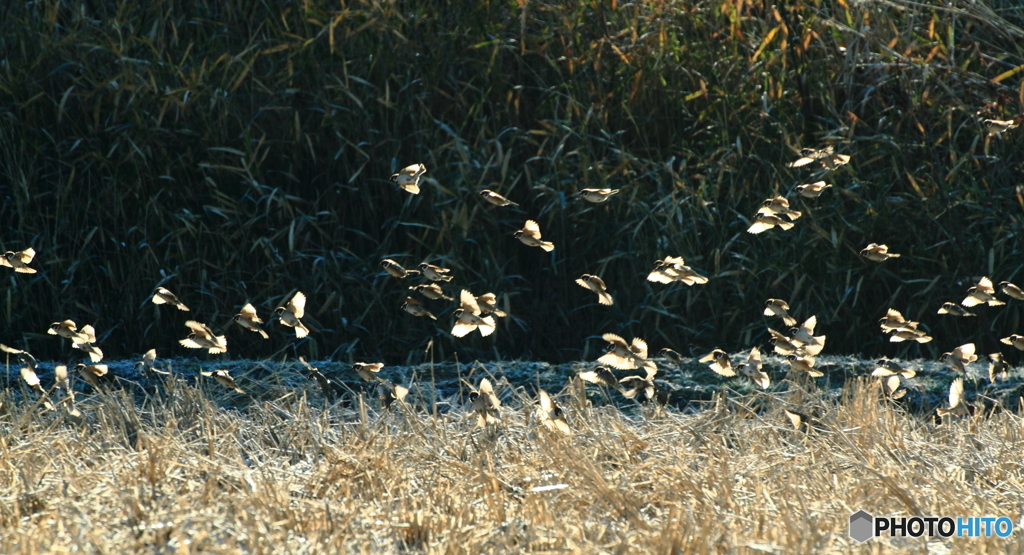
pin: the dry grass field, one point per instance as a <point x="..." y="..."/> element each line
<point x="186" y="466"/>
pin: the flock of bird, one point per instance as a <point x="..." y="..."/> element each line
<point x="799" y="345"/>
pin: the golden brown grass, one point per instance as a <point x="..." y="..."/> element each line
<point x="193" y="468"/>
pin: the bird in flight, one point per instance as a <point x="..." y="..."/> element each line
<point x="248" y="319"/>
<point x="202" y="337"/>
<point x="408" y="178"/>
<point x="596" y="196"/>
<point x="496" y="199"/>
<point x="291" y="313"/>
<point x="164" y="296"/>
<point x="596" y="284"/>
<point x="530" y="236"/>
<point x="19" y="260"/>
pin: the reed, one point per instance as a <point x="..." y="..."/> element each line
<point x="237" y="152"/>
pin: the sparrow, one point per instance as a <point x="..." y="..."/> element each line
<point x="414" y="307"/>
<point x="812" y="190"/>
<point x="778" y="307"/>
<point x="632" y="385"/>
<point x="957" y="404"/>
<point x="435" y="273"/>
<point x="146" y="366"/>
<point x="893" y="319"/>
<point x="667" y="267"/>
<point x="321" y="381"/>
<point x="877" y="253"/>
<point x="805" y="336"/>
<point x="778" y="206"/>
<point x="622" y="355"/>
<point x="408" y="178"/>
<point x="892" y="387"/>
<point x="784" y="345"/>
<point x="396" y="269"/>
<point x="997" y="367"/>
<point x="900" y="328"/>
<point x="601" y="375"/>
<point x="981" y="294"/>
<point x="596" y="284"/>
<point x="530" y="236"/>
<point x="597" y="195"/>
<point x="996" y="126"/>
<point x="163" y="296"/>
<point x="388" y="393"/>
<point x="485" y="404"/>
<point x="488" y="305"/>
<point x="368" y="371"/>
<point x="1011" y="290"/>
<point x="551" y="415"/>
<point x="248" y="319"/>
<point x="468" y="317"/>
<point x="897" y="335"/>
<point x="92" y="373"/>
<point x="720" y="363"/>
<point x="19" y="260"/>
<point x="432" y="291"/>
<point x="752" y="369"/>
<point x="495" y="199"/>
<point x="202" y="337"/>
<point x="885" y="367"/>
<point x="799" y="420"/>
<point x="960" y="357"/>
<point x="804" y="364"/>
<point x="674" y="268"/>
<point x="466" y="322"/>
<point x="764" y="222"/>
<point x="223" y="378"/>
<point x="1016" y="340"/>
<point x="69" y="330"/>
<point x="671" y="355"/>
<point x="85" y="342"/>
<point x="826" y="157"/>
<point x="954" y="309"/>
<point x="291" y="313"/>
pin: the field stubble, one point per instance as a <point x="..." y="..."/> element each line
<point x="187" y="466"/>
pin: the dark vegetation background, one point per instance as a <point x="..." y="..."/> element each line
<point x="238" y="151"/>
